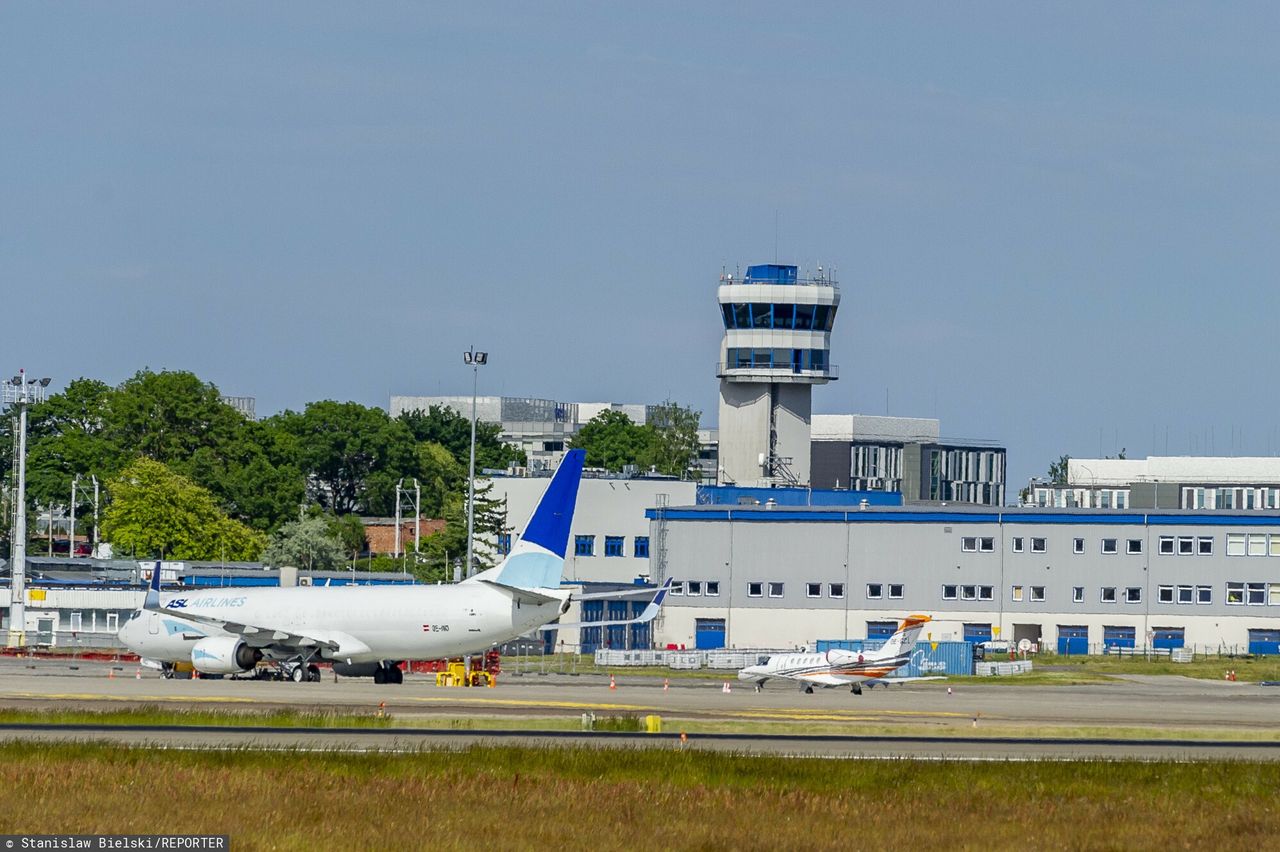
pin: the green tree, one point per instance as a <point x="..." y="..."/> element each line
<point x="612" y="440"/>
<point x="1058" y="471"/>
<point x="308" y="543"/>
<point x="156" y="513"/>
<point x="673" y="440"/>
<point x="168" y="416"/>
<point x="441" y="425"/>
<point x="349" y="532"/>
<point x="440" y="549"/>
<point x="440" y="475"/>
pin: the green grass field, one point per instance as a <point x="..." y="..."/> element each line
<point x="512" y="798"/>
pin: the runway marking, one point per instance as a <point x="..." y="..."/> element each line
<point x="515" y="702"/>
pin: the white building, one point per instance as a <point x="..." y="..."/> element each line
<point x="1165" y="482"/>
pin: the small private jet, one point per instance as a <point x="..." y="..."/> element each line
<point x="843" y="668"/>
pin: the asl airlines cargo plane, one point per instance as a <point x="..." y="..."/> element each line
<point x="365" y="630"/>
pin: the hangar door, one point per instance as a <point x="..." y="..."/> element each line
<point x="881" y="629"/>
<point x="1073" y="639"/>
<point x="1264" y="641"/>
<point x="1168" y="637"/>
<point x="977" y="633"/>
<point x="1117" y="637"/>
<point x="708" y="634"/>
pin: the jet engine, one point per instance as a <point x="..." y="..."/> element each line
<point x="355" y="669"/>
<point x="224" y="655"/>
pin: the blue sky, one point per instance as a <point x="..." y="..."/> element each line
<point x="1054" y="224"/>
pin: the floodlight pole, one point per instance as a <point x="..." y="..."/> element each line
<point x="20" y="392"/>
<point x="475" y="359"/>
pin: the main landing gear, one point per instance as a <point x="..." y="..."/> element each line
<point x="806" y="688"/>
<point x="305" y="673"/>
<point x="388" y="673"/>
<point x="856" y="689"/>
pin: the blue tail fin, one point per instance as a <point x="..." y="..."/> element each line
<point x="537" y="560"/>
<point x="153" y="591"/>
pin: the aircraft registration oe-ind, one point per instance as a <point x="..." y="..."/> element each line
<point x="367" y="630"/>
<point x="844" y="668"/>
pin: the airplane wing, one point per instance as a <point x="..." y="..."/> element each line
<point x="821" y="679"/>
<point x="889" y="680"/>
<point x="649" y="614"/>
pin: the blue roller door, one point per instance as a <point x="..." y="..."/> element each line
<point x="1118" y="637"/>
<point x="1264" y="641"/>
<point x="591" y="638"/>
<point x="881" y="629"/>
<point x="976" y="633"/>
<point x="709" y="634"/>
<point x="1168" y="637"/>
<point x="1073" y="639"/>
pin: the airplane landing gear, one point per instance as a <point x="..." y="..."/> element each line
<point x="388" y="673"/>
<point x="807" y="688"/>
<point x="856" y="689"/>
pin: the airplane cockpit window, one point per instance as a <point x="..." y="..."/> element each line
<point x="764" y="661"/>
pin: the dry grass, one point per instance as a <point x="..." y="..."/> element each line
<point x="580" y="798"/>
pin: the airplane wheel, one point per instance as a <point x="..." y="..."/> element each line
<point x="299" y="674"/>
<point x="313" y="673"/>
<point x="808" y="690"/>
<point x="379" y="675"/>
<point x="397" y="676"/>
<point x="856" y="690"/>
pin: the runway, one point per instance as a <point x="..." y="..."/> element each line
<point x="1143" y="717"/>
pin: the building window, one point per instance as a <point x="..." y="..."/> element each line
<point x="836" y="590"/>
<point x="1037" y="593"/>
<point x="1108" y="594"/>
<point x="986" y="593"/>
<point x="1016" y="594"/>
<point x="584" y="545"/>
<point x="1275" y="545"/>
<point x="755" y="590"/>
<point x="1133" y="594"/>
<point x="969" y="544"/>
<point x="1257" y="545"/>
<point x="1108" y="545"/>
<point x="613" y="545"/>
<point x="76" y="621"/>
<point x="1204" y="594"/>
<point x="949" y="592"/>
<point x="987" y="544"/>
<point x="968" y="593"/>
<point x="504" y="544"/>
<point x="1235" y="544"/>
<point x="1166" y="545"/>
<point x="1256" y="594"/>
<point x="1038" y="545"/>
<point x="813" y="590"/>
<point x="1077" y="594"/>
<point x="713" y="589"/>
<point x="895" y="591"/>
<point x="1164" y="594"/>
<point x="1186" y="545"/>
<point x="1205" y="544"/>
<point x="875" y="591"/>
<point x="113" y="622"/>
<point x="1186" y="595"/>
<point x="1273" y="595"/>
<point x="1235" y="593"/>
<point x="1077" y="545"/>
<point x="693" y="588"/>
<point x="642" y="547"/>
<point x="1135" y="545"/>
<point x="775" y="590"/>
<point x="677" y="587"/>
<point x="1017" y="544"/>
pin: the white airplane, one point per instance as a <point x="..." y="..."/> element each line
<point x="843" y="668"/>
<point x="366" y="630"/>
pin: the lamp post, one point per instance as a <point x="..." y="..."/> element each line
<point x="21" y="393"/>
<point x="475" y="360"/>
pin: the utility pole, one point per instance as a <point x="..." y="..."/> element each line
<point x="474" y="359"/>
<point x="21" y="393"/>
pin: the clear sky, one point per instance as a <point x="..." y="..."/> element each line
<point x="1055" y="225"/>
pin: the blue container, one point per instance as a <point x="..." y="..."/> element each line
<point x="947" y="658"/>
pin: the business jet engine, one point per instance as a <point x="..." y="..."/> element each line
<point x="224" y="655"/>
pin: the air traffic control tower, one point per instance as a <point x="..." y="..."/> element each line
<point x="777" y="345"/>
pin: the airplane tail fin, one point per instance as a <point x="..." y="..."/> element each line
<point x="537" y="560"/>
<point x="152" y="600"/>
<point x="904" y="641"/>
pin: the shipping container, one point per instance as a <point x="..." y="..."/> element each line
<point x="929" y="658"/>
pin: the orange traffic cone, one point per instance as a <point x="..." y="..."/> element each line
<point x="137" y="674"/>
<point x="111" y="674"/>
<point x="612" y="684"/>
<point x="665" y="684"/>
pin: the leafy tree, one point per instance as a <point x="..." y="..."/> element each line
<point x="673" y="440"/>
<point x="168" y="416"/>
<point x="612" y="440"/>
<point x="441" y="548"/>
<point x="441" y="425"/>
<point x="440" y="475"/>
<point x="348" y="530"/>
<point x="308" y="543"/>
<point x="156" y="513"/>
<point x="1058" y="471"/>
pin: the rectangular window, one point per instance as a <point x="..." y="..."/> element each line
<point x="693" y="588"/>
<point x="713" y="588"/>
<point x="987" y="544"/>
<point x="1077" y="594"/>
<point x="504" y="544"/>
<point x="1186" y="595"/>
<point x="613" y="545"/>
<point x="895" y="591"/>
<point x="875" y="591"/>
<point x="113" y="622"/>
<point x="1108" y="594"/>
<point x="1133" y="594"/>
<point x="1186" y="545"/>
<point x="1017" y="544"/>
<point x="75" y="622"/>
<point x="1275" y="545"/>
<point x="1015" y="594"/>
<point x="986" y="593"/>
<point x="1205" y="545"/>
<point x="1077" y="545"/>
<point x="836" y="590"/>
<point x="1273" y="595"/>
<point x="1164" y="594"/>
<point x="775" y="590"/>
<point x="1166" y="545"/>
<point x="1037" y="593"/>
<point x="1108" y="545"/>
<point x="813" y="590"/>
<point x="642" y="547"/>
<point x="755" y="590"/>
<point x="969" y="593"/>
<point x="1038" y="545"/>
<point x="677" y="587"/>
<point x="969" y="544"/>
<point x="1256" y="594"/>
<point x="1235" y="593"/>
<point x="584" y="545"/>
<point x="1204" y="594"/>
<point x="1257" y="545"/>
<point x="1235" y="544"/>
<point x="1134" y="545"/>
<point x="949" y="592"/>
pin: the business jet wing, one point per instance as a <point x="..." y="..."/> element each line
<point x="886" y="681"/>
<point x="649" y="614"/>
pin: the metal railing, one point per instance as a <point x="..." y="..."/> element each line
<point x="726" y="369"/>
